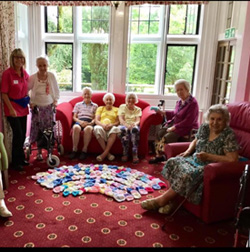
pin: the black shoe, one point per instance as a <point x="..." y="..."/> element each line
<point x="83" y="155"/>
<point x="157" y="160"/>
<point x="73" y="155"/>
<point x="25" y="163"/>
<point x="17" y="167"/>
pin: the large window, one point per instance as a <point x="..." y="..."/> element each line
<point x="162" y="47"/>
<point x="78" y="53"/>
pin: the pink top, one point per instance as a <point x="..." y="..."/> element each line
<point x="15" y="87"/>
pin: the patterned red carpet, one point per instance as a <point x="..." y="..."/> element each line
<point x="42" y="218"/>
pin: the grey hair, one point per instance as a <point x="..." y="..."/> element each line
<point x="183" y="82"/>
<point x="109" y="94"/>
<point x="220" y="109"/>
<point x="43" y="57"/>
<point x="132" y="94"/>
<point x="87" y="88"/>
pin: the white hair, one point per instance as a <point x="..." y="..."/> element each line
<point x="131" y="94"/>
<point x="87" y="88"/>
<point x="219" y="109"/>
<point x="183" y="82"/>
<point x="109" y="95"/>
<point x="42" y="57"/>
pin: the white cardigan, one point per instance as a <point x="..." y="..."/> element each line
<point x="53" y="89"/>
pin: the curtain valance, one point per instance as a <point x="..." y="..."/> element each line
<point x="128" y="3"/>
<point x="106" y="3"/>
<point x="67" y="3"/>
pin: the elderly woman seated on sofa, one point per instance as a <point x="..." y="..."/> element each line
<point x="215" y="141"/>
<point x="106" y="130"/>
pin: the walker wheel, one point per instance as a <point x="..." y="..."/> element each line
<point x="53" y="162"/>
<point x="60" y="149"/>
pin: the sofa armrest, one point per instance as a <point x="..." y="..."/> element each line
<point x="148" y="118"/>
<point x="223" y="171"/>
<point x="64" y="115"/>
<point x="174" y="149"/>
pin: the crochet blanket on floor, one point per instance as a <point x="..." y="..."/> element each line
<point x="121" y="183"/>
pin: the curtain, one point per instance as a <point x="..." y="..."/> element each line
<point x="67" y="3"/>
<point x="7" y="45"/>
<point x="128" y="3"/>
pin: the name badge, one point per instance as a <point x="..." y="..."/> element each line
<point x="15" y="81"/>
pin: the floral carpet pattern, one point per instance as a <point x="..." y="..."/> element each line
<point x="99" y="207"/>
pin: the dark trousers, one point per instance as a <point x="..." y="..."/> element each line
<point x="18" y="125"/>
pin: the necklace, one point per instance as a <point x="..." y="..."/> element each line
<point x="44" y="80"/>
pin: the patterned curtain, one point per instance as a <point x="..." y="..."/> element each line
<point x="68" y="3"/>
<point x="128" y="3"/>
<point x="7" y="45"/>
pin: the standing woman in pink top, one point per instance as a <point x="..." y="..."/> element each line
<point x="14" y="90"/>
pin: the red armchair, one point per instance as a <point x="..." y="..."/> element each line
<point x="221" y="180"/>
<point x="65" y="116"/>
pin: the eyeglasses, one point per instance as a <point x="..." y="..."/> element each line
<point x="19" y="57"/>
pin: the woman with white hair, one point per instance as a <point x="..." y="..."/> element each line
<point x="106" y="130"/>
<point x="179" y="122"/>
<point x="44" y="94"/>
<point x="84" y="118"/>
<point x="129" y="117"/>
<point x="215" y="141"/>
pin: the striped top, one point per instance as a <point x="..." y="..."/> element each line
<point x="85" y="111"/>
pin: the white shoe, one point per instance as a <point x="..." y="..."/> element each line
<point x="4" y="212"/>
<point x="111" y="157"/>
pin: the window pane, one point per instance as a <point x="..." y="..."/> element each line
<point x="183" y="19"/>
<point x="60" y="61"/>
<point x="145" y="19"/>
<point x="180" y="65"/>
<point x="59" y="19"/>
<point x="95" y="19"/>
<point x="94" y="66"/>
<point x="141" y="68"/>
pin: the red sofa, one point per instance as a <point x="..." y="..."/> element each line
<point x="65" y="116"/>
<point x="221" y="180"/>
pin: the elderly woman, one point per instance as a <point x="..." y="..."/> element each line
<point x="214" y="142"/>
<point x="129" y="117"/>
<point x="44" y="95"/>
<point x="84" y="118"/>
<point x="179" y="122"/>
<point x="106" y="130"/>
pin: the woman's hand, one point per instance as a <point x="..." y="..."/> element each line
<point x="203" y="156"/>
<point x="184" y="154"/>
<point x="171" y="129"/>
<point x="13" y="113"/>
<point x="83" y="124"/>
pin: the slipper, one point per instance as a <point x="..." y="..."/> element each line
<point x="141" y="190"/>
<point x="149" y="189"/>
<point x="150" y="204"/>
<point x="162" y="185"/>
<point x="167" y="209"/>
<point x="128" y="196"/>
<point x="135" y="194"/>
<point x="119" y="197"/>
<point x="99" y="158"/>
<point x="124" y="158"/>
<point x="135" y="159"/>
<point x="110" y="157"/>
